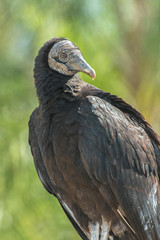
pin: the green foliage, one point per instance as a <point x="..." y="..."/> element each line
<point x="118" y="39"/>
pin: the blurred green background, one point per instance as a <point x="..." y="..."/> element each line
<point x="119" y="39"/>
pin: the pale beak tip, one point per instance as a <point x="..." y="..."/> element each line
<point x="93" y="75"/>
<point x="90" y="71"/>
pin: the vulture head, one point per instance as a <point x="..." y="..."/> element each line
<point x="66" y="58"/>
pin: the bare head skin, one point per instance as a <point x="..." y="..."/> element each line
<point x="66" y="58"/>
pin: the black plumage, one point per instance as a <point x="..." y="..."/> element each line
<point x="94" y="152"/>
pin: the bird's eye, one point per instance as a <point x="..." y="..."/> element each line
<point x="63" y="56"/>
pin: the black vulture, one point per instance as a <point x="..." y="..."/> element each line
<point x="94" y="152"/>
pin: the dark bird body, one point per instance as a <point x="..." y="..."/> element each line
<point x="95" y="153"/>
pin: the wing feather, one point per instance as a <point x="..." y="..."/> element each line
<point x="120" y="158"/>
<point x="34" y="136"/>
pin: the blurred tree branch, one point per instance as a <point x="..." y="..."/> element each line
<point x="131" y="33"/>
<point x="139" y="50"/>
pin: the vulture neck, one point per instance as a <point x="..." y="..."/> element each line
<point x="51" y="85"/>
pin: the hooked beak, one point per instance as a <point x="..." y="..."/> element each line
<point x="88" y="70"/>
<point x="78" y="64"/>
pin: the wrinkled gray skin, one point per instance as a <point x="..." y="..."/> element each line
<point x="71" y="59"/>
